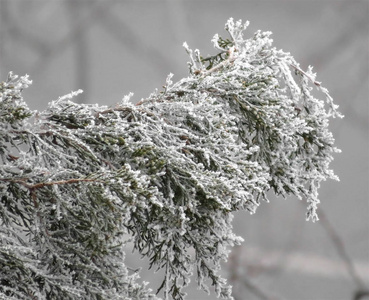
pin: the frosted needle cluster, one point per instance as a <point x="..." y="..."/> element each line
<point x="80" y="184"/>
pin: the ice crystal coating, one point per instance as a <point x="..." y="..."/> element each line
<point x="77" y="180"/>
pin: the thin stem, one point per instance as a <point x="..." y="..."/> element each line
<point x="340" y="247"/>
<point x="317" y="83"/>
<point x="23" y="182"/>
<point x="224" y="63"/>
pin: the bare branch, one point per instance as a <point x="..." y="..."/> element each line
<point x="341" y="250"/>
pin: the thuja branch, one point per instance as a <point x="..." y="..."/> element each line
<point x="167" y="172"/>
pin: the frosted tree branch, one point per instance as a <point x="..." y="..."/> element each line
<point x="78" y="181"/>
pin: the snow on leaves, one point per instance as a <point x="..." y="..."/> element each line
<point x="167" y="172"/>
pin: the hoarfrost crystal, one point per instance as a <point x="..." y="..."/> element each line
<point x="166" y="173"/>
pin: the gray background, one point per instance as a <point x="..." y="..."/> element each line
<point x="111" y="48"/>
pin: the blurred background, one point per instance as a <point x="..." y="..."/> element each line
<point x="110" y="48"/>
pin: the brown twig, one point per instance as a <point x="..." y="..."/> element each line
<point x="23" y="182"/>
<point x="317" y="83"/>
<point x="33" y="187"/>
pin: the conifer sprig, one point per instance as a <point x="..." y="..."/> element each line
<point x="80" y="183"/>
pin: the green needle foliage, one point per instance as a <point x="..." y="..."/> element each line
<point x="81" y="183"/>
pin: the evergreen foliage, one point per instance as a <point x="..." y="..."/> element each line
<point x="79" y="182"/>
